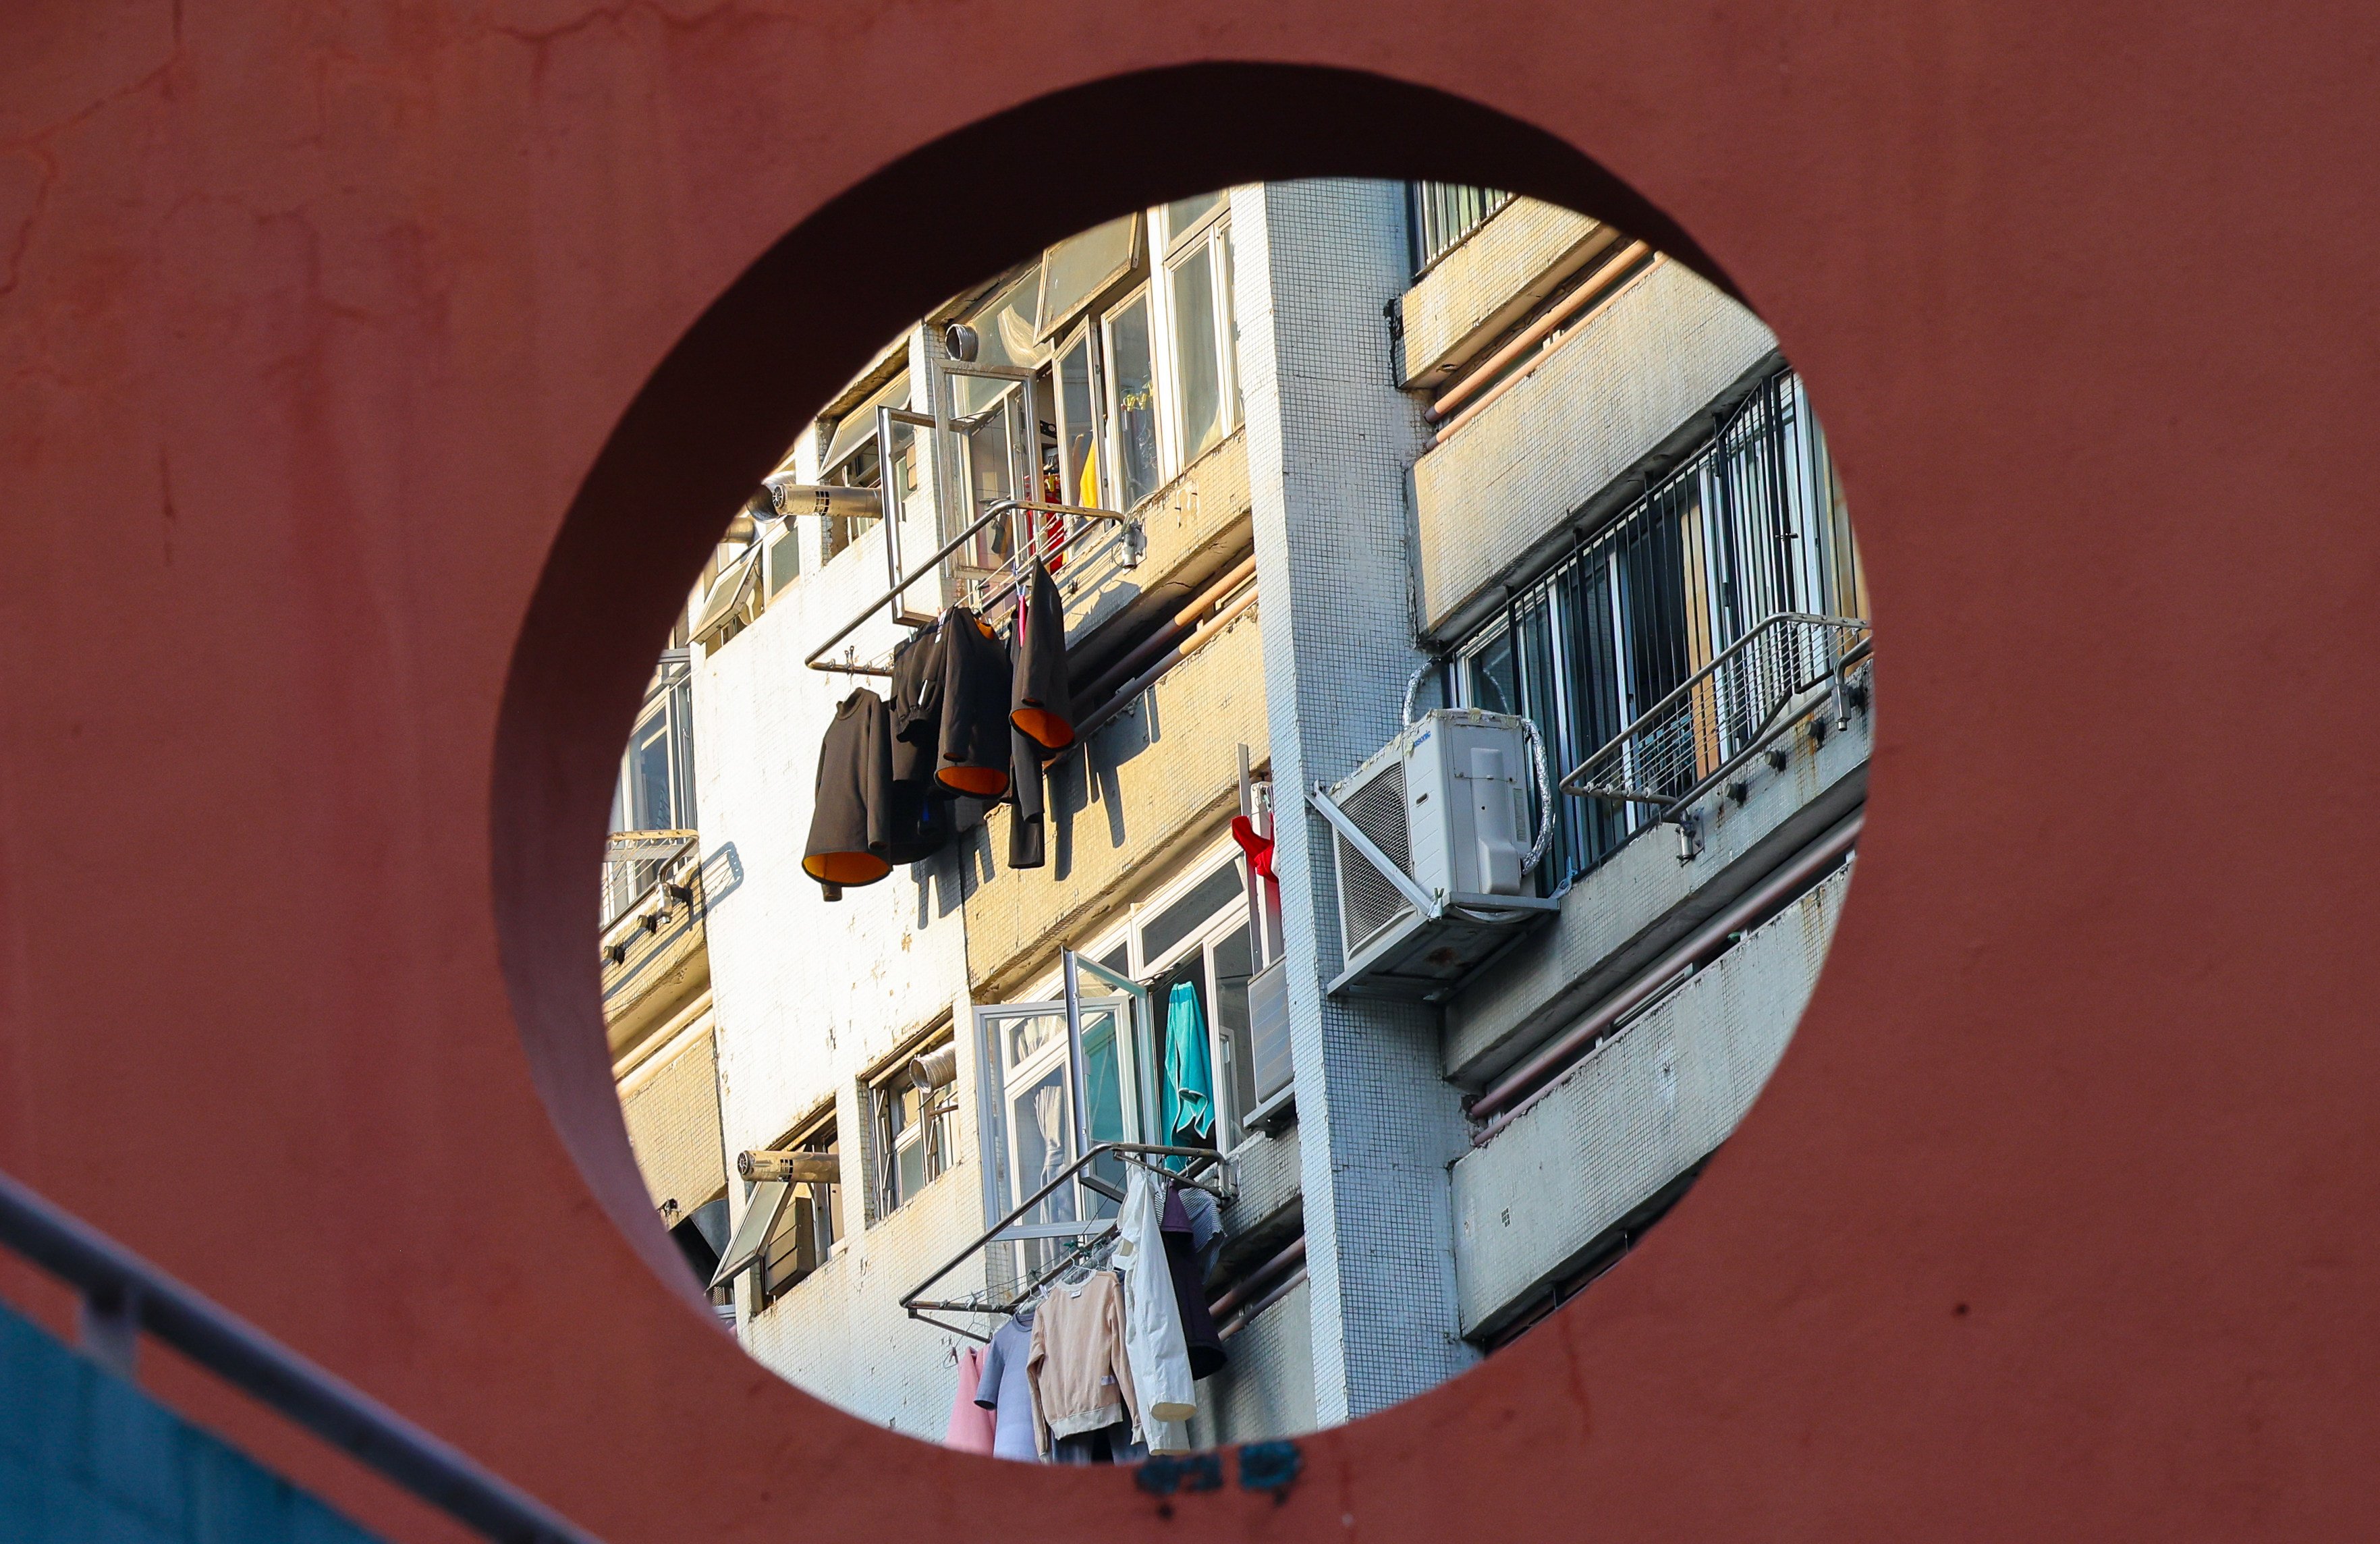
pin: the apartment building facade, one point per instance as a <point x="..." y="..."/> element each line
<point x="1376" y="465"/>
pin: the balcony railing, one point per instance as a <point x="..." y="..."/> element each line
<point x="1775" y="676"/>
<point x="124" y="1296"/>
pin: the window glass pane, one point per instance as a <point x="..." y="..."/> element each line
<point x="859" y="425"/>
<point x="1037" y="1121"/>
<point x="1191" y="913"/>
<point x="1182" y="213"/>
<point x="1077" y="426"/>
<point x="1234" y="962"/>
<point x="1027" y="1035"/>
<point x="784" y="560"/>
<point x="1488" y="678"/>
<point x="1194" y="352"/>
<point x="652" y="774"/>
<point x="1080" y="267"/>
<point x="1103" y="1101"/>
<point x="1133" y="389"/>
<point x="988" y="480"/>
<point x="912" y="1170"/>
<point x="1006" y="336"/>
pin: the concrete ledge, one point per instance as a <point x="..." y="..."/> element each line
<point x="1195" y="525"/>
<point x="1606" y="397"/>
<point x="1504" y="270"/>
<point x="1639" y="1111"/>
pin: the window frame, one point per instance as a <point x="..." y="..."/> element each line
<point x="1212" y="238"/>
<point x="1146" y="293"/>
<point x="1223" y="1051"/>
<point x="828" y="1237"/>
<point x="935" y="1131"/>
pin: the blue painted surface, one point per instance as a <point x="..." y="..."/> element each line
<point x="87" y="1458"/>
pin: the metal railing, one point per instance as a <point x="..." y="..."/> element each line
<point x="1202" y="1167"/>
<point x="1444" y="213"/>
<point x="1690" y="742"/>
<point x="1749" y="525"/>
<point x="124" y="1296"/>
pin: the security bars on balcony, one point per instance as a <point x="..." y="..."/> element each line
<point x="1787" y="668"/>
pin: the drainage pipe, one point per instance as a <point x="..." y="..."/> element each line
<point x="1126" y="695"/>
<point x="1768" y="894"/>
<point x="1523" y="372"/>
<point x="1180" y="623"/>
<point x="1562" y="311"/>
<point x="1250" y="1284"/>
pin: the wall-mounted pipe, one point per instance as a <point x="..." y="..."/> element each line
<point x="1605" y="287"/>
<point x="1206" y="634"/>
<point x="1167" y="631"/>
<point x="1530" y="1078"/>
<point x="1255" y="1280"/>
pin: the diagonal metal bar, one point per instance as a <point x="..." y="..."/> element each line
<point x="131" y="1289"/>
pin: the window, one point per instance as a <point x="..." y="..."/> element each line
<point x="655" y="791"/>
<point x="913" y="1113"/>
<point x="854" y="459"/>
<point x="1184" y="216"/>
<point x="1132" y="401"/>
<point x="782" y="555"/>
<point x="1751" y="526"/>
<point x="1078" y="422"/>
<point x="803" y="1237"/>
<point x="1443" y="214"/>
<point x="1077" y="270"/>
<point x="1199" y="286"/>
<point x="1031" y="1129"/>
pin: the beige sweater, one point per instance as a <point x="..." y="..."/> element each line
<point x="1080" y="1379"/>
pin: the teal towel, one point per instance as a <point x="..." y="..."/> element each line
<point x="1189" y="1086"/>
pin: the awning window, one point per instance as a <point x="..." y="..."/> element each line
<point x="760" y="1214"/>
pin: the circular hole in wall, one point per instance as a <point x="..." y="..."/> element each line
<point x="1346" y="684"/>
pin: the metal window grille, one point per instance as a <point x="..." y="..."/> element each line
<point x="1749" y="529"/>
<point x="1445" y="212"/>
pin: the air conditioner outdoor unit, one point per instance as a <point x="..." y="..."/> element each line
<point x="1433" y="847"/>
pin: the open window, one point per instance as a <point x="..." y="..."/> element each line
<point x="912" y="1122"/>
<point x="1200" y="329"/>
<point x="792" y="1213"/>
<point x="1063" y="1076"/>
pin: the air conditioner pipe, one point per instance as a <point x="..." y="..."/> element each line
<point x="1254" y="1281"/>
<point x="1125" y="695"/>
<point x="1562" y="311"/>
<point x="1770" y="892"/>
<point x="1174" y="628"/>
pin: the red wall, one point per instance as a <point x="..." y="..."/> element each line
<point x="325" y="611"/>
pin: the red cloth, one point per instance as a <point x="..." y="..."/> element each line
<point x="1258" y="848"/>
<point x="971" y="1423"/>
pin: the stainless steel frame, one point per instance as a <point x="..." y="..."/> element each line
<point x="1202" y="1168"/>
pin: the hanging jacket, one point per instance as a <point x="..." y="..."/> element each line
<point x="1040" y="700"/>
<point x="851" y="816"/>
<point x="974" y="750"/>
<point x="1189" y="1086"/>
<point x="1152" y="1320"/>
<point x="1028" y="797"/>
<point x="917" y="706"/>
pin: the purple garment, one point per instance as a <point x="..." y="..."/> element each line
<point x="1198" y="1332"/>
